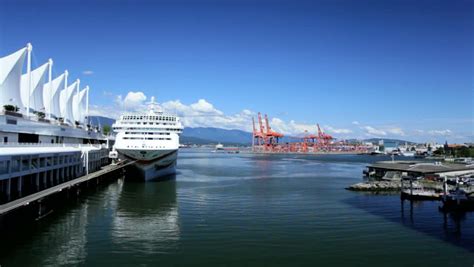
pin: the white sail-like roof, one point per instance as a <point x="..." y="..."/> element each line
<point x="79" y="105"/>
<point x="65" y="102"/>
<point x="37" y="81"/>
<point x="51" y="92"/>
<point x="10" y="77"/>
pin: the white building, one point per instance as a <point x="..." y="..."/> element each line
<point x="38" y="108"/>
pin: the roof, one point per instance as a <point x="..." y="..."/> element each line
<point x="421" y="167"/>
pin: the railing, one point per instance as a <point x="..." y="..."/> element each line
<point x="46" y="120"/>
<point x="14" y="144"/>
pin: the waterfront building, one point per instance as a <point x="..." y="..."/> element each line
<point x="45" y="136"/>
<point x="37" y="108"/>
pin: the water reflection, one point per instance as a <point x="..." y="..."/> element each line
<point x="69" y="246"/>
<point x="422" y="216"/>
<point x="147" y="216"/>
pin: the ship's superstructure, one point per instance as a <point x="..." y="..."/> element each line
<point x="151" y="138"/>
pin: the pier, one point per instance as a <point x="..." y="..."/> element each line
<point x="30" y="168"/>
<point x="447" y="182"/>
<point x="30" y="173"/>
<point x="18" y="203"/>
<point x="383" y="169"/>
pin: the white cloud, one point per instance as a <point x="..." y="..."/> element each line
<point x="373" y="131"/>
<point x="337" y="131"/>
<point x="446" y="132"/>
<point x="395" y="131"/>
<point x="87" y="72"/>
<point x="205" y="107"/>
<point x="104" y="111"/>
<point x="292" y="127"/>
<point x="132" y="101"/>
<point x="204" y="114"/>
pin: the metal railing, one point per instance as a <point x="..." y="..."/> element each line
<point x="15" y="144"/>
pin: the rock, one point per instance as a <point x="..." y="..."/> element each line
<point x="375" y="186"/>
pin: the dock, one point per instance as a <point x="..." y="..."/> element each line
<point x="416" y="169"/>
<point x="33" y="175"/>
<point x="451" y="183"/>
<point x="18" y="203"/>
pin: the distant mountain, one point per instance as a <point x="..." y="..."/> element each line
<point x="218" y="135"/>
<point x="96" y="120"/>
<point x="211" y="135"/>
<point x="198" y="135"/>
<point x="194" y="140"/>
<point x="389" y="141"/>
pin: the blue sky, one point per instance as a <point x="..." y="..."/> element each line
<point x="392" y="68"/>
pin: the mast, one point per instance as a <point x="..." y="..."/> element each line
<point x="50" y="78"/>
<point x="87" y="105"/>
<point x="66" y="73"/>
<point x="29" y="48"/>
<point x="77" y="96"/>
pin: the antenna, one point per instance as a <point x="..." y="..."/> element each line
<point x="153" y="105"/>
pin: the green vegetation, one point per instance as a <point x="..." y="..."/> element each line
<point x="11" y="108"/>
<point x="40" y="114"/>
<point x="106" y="129"/>
<point x="455" y="152"/>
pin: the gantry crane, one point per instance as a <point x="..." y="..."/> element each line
<point x="273" y="137"/>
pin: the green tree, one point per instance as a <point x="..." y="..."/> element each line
<point x="463" y="152"/>
<point x="439" y="151"/>
<point x="106" y="129"/>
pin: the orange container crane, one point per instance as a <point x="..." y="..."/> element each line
<point x="257" y="136"/>
<point x="262" y="129"/>
<point x="323" y="138"/>
<point x="274" y="136"/>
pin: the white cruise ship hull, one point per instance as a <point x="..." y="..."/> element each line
<point x="158" y="168"/>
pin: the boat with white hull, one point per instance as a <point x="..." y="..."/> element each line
<point x="151" y="139"/>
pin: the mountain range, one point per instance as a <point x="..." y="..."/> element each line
<point x="212" y="135"/>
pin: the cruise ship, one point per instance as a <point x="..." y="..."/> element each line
<point x="151" y="139"/>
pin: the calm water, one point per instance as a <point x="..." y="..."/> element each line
<point x="245" y="210"/>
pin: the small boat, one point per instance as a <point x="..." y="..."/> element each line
<point x="407" y="153"/>
<point x="458" y="199"/>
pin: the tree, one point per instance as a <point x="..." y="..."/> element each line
<point x="106" y="129"/>
<point x="463" y="152"/>
<point x="11" y="108"/>
<point x="439" y="151"/>
<point x="40" y="114"/>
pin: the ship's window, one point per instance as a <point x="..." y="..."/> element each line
<point x="5" y="139"/>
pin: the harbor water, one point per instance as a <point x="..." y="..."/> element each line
<point x="245" y="210"/>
